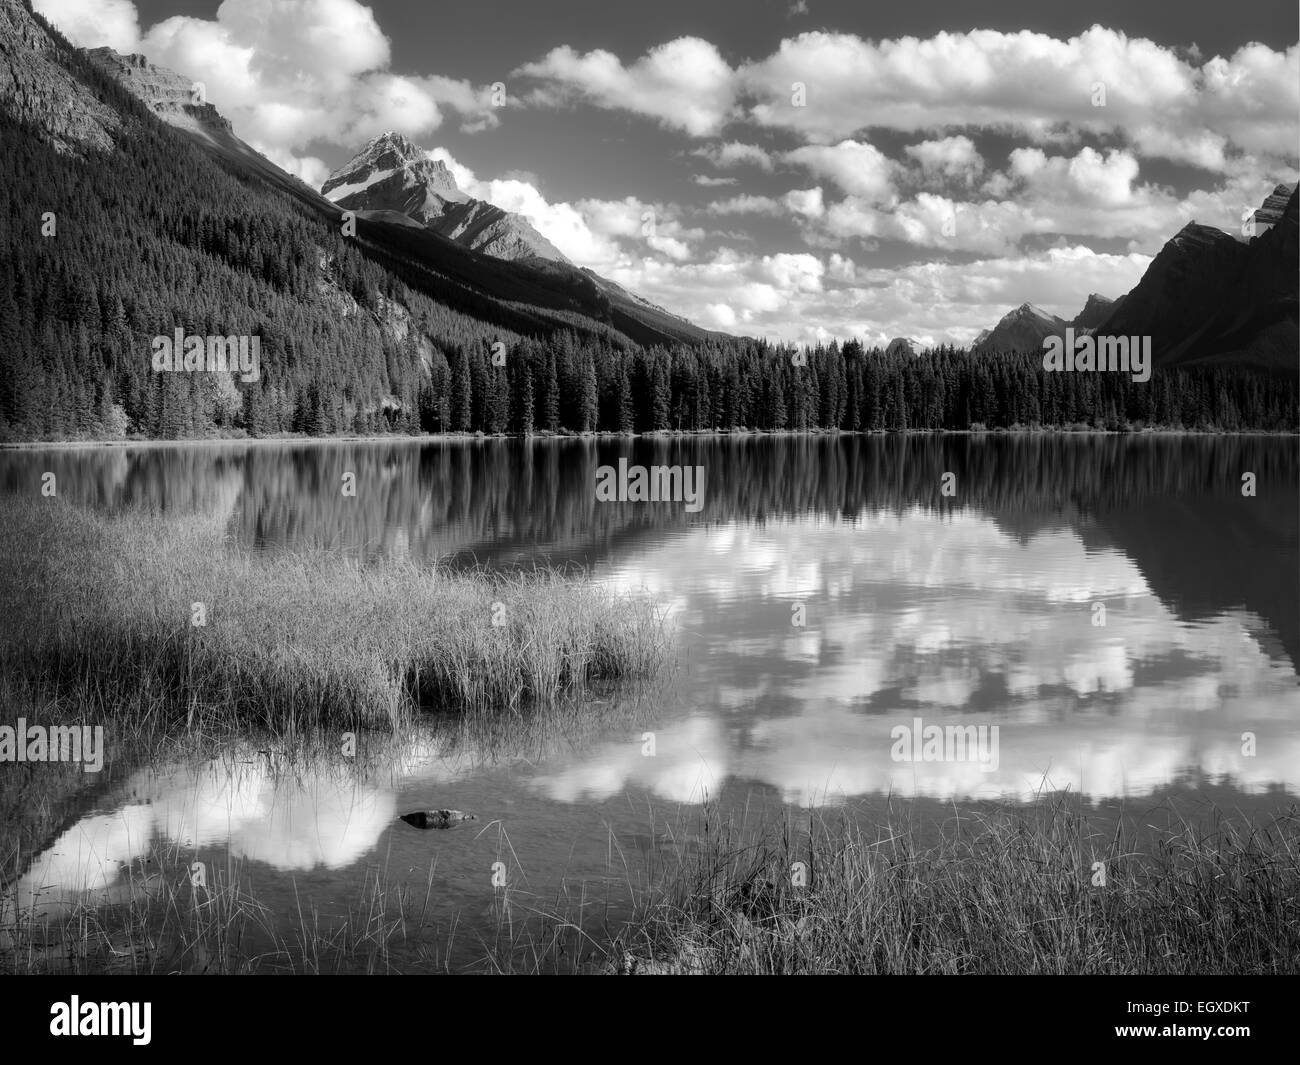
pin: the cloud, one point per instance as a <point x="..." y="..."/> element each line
<point x="861" y="170"/>
<point x="600" y="234"/>
<point x="734" y="153"/>
<point x="841" y="268"/>
<point x="1036" y="85"/>
<point x="94" y="23"/>
<point x="787" y="296"/>
<point x="1100" y="82"/>
<point x="953" y="158"/>
<point x="684" y="84"/>
<point x="712" y="182"/>
<point x="1088" y="195"/>
<point x="745" y="204"/>
<point x="1163" y="103"/>
<point x="805" y="202"/>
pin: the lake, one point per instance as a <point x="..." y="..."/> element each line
<point x="1117" y="616"/>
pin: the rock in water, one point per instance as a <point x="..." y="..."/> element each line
<point x="437" y="818"/>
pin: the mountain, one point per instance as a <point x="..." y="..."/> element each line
<point x="391" y="174"/>
<point x="169" y="95"/>
<point x="903" y="346"/>
<point x="392" y="181"/>
<point x="482" y="260"/>
<point x="153" y="216"/>
<point x="1210" y="298"/>
<point x="39" y="91"/>
<point x="1271" y="210"/>
<point x="1095" y="311"/>
<point x="1023" y="329"/>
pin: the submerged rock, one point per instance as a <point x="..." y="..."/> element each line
<point x="437" y="818"/>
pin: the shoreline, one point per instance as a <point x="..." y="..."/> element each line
<point x="659" y="434"/>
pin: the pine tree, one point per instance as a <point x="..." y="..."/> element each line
<point x="589" y="409"/>
<point x="460" y="393"/>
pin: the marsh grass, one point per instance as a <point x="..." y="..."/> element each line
<point x="1011" y="892"/>
<point x="97" y="624"/>
<point x="1008" y="892"/>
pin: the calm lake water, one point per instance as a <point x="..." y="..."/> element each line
<point x="917" y="609"/>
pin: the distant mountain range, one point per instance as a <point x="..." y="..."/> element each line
<point x="1025" y="328"/>
<point x="1207" y="298"/>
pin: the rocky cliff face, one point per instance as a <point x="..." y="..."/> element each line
<point x="391" y="174"/>
<point x="1210" y="297"/>
<point x="38" y="88"/>
<point x="1270" y="213"/>
<point x="171" y="96"/>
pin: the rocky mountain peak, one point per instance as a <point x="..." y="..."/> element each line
<point x="392" y="174"/>
<point x="1095" y="311"/>
<point x="1271" y="210"/>
<point x="387" y="157"/>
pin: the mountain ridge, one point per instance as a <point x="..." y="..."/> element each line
<point x="1208" y="297"/>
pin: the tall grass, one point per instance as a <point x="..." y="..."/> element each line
<point x="1017" y="892"/>
<point x="97" y="621"/>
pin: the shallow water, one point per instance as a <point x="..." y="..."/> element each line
<point x="826" y="595"/>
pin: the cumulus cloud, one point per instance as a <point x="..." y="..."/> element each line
<point x="94" y="23"/>
<point x="953" y="158"/>
<point x="1101" y="81"/>
<point x="861" y="170"/>
<point x="1163" y="103"/>
<point x="1090" y="194"/>
<point x="804" y="298"/>
<point x="805" y="202"/>
<point x="684" y="84"/>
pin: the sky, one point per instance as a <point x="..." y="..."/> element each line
<point x="802" y="170"/>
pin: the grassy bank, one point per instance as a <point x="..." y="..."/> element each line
<point x="156" y="621"/>
<point x="1009" y="893"/>
<point x="1019" y="892"/>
